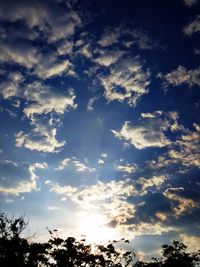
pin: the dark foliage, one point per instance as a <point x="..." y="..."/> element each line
<point x="17" y="251"/>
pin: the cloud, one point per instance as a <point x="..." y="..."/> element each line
<point x="43" y="99"/>
<point x="42" y="137"/>
<point x="50" y="69"/>
<point x="191" y="241"/>
<point x="110" y="197"/>
<point x="182" y="76"/>
<point x="57" y="20"/>
<point x="109" y="38"/>
<point x="192" y="27"/>
<point x="11" y="86"/>
<point x="187" y="149"/>
<point x="190" y="2"/>
<point x="184" y="152"/>
<point x="155" y="181"/>
<point x="180" y="204"/>
<point x="127" y="81"/>
<point x="129" y="168"/>
<point x="65" y="48"/>
<point x="138" y="37"/>
<point x="75" y="163"/>
<point x="149" y="132"/>
<point x="91" y="103"/>
<point x="80" y="167"/>
<point x="20" y="53"/>
<point x="63" y="164"/>
<point x="16" y="179"/>
<point x="40" y="100"/>
<point x="108" y="58"/>
<point x="100" y="161"/>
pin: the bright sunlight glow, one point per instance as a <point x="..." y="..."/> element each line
<point x="94" y="227"/>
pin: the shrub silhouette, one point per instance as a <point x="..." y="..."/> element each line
<point x="16" y="251"/>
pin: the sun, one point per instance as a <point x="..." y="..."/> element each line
<point x="94" y="227"/>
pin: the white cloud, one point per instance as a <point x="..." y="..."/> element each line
<point x="41" y="138"/>
<point x="56" y="20"/>
<point x="11" y="87"/>
<point x="150" y="132"/>
<point x="182" y="76"/>
<point x="19" y="53"/>
<point x="86" y="51"/>
<point x="190" y="2"/>
<point x="126" y="81"/>
<point x="65" y="48"/>
<point x="80" y="167"/>
<point x="18" y="178"/>
<point x="42" y="100"/>
<point x="109" y="38"/>
<point x="129" y="168"/>
<point x="63" y="164"/>
<point x="108" y="58"/>
<point x="53" y="69"/>
<point x="100" y="161"/>
<point x="192" y="27"/>
<point x="91" y="103"/>
<point x="109" y="197"/>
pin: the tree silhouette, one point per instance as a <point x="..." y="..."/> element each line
<point x="16" y="251"/>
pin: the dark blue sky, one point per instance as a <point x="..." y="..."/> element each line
<point x="99" y="109"/>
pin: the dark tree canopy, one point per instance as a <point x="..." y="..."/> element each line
<point x="17" y="251"/>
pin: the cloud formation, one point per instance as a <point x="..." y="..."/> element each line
<point x="126" y="81"/>
<point x="149" y="132"/>
<point x="182" y="76"/>
<point x="16" y="178"/>
<point x="192" y="27"/>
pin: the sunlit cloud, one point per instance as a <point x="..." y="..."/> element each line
<point x="24" y="183"/>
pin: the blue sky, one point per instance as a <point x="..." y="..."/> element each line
<point x="99" y="109"/>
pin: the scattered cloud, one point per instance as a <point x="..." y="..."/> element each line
<point x="181" y="203"/>
<point x="43" y="99"/>
<point x="155" y="181"/>
<point x="129" y="168"/>
<point x="150" y="131"/>
<point x="20" y="53"/>
<point x="42" y="137"/>
<point x="110" y="197"/>
<point x="11" y="87"/>
<point x="192" y="27"/>
<point x="50" y="69"/>
<point x="64" y="163"/>
<point x="90" y="105"/>
<point x="54" y="19"/>
<point x="182" y="76"/>
<point x="109" y="57"/>
<point x="190" y="2"/>
<point x="109" y="38"/>
<point x="101" y="162"/>
<point x="16" y="179"/>
<point x="127" y="81"/>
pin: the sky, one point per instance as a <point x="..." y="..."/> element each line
<point x="100" y="125"/>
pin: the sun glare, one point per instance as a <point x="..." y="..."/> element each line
<point x="94" y="227"/>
